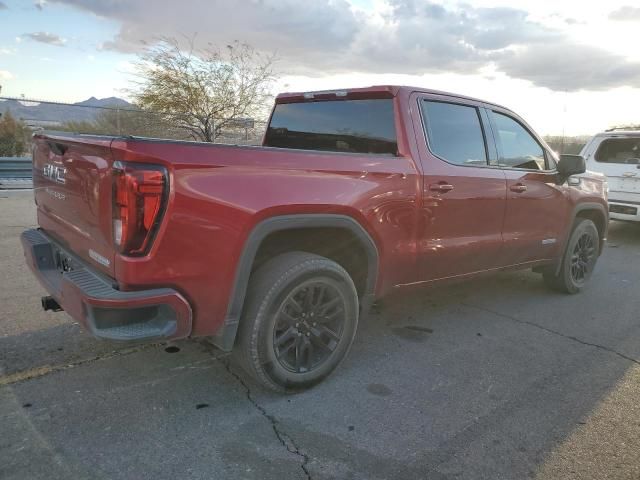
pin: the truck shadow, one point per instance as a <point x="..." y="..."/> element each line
<point x="624" y="233"/>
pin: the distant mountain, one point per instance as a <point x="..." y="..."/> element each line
<point x="105" y="102"/>
<point x="51" y="114"/>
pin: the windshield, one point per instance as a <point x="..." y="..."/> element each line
<point x="619" y="150"/>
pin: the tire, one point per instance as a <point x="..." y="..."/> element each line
<point x="579" y="259"/>
<point x="282" y="342"/>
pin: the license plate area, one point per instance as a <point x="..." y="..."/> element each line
<point x="63" y="261"/>
<point x="630" y="185"/>
<point x="624" y="184"/>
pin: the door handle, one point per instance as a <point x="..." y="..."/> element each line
<point x="442" y="187"/>
<point x="518" y="188"/>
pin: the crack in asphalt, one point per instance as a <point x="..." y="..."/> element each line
<point x="283" y="437"/>
<point x="555" y="332"/>
<point x="43" y="370"/>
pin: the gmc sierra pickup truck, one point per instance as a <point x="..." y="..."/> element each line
<point x="276" y="251"/>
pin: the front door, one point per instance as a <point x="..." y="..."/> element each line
<point x="463" y="194"/>
<point x="537" y="209"/>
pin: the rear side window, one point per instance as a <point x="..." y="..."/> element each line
<point x="357" y="126"/>
<point x="454" y="133"/>
<point x="519" y="148"/>
<point x="619" y="150"/>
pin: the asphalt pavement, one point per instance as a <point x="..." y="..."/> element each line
<point x="496" y="378"/>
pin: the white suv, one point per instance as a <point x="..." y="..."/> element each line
<point x="616" y="153"/>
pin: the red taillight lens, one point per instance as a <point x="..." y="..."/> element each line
<point x="139" y="198"/>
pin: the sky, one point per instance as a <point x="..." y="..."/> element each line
<point x="566" y="66"/>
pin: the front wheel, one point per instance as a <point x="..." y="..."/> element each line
<point x="299" y="320"/>
<point x="579" y="259"/>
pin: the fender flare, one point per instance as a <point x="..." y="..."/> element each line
<point x="225" y="338"/>
<point x="580" y="208"/>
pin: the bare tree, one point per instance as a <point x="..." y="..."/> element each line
<point x="203" y="91"/>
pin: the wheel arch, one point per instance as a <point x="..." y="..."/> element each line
<point x="225" y="338"/>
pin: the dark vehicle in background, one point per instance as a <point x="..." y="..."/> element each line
<point x="277" y="251"/>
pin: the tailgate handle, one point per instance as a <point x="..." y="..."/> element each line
<point x="57" y="148"/>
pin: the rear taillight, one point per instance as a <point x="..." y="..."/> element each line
<point x="139" y="198"/>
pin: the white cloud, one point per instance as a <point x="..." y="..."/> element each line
<point x="6" y="75"/>
<point x="626" y="13"/>
<point x="46" y="37"/>
<point x="400" y="36"/>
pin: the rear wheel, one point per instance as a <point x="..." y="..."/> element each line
<point x="299" y="321"/>
<point x="579" y="259"/>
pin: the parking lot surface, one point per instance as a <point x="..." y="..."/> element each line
<point x="496" y="378"/>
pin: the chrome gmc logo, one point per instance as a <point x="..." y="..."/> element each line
<point x="55" y="173"/>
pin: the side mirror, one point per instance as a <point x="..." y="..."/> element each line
<point x="570" y="165"/>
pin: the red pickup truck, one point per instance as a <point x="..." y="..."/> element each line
<point x="276" y="251"/>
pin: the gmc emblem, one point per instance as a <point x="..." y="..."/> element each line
<point x="55" y="173"/>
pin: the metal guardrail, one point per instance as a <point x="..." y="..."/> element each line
<point x="15" y="173"/>
<point x="16" y="167"/>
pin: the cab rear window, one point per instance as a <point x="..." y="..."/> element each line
<point x="356" y="126"/>
<point x="619" y="150"/>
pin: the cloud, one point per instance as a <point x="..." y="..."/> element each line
<point x="400" y="36"/>
<point x="45" y="37"/>
<point x="5" y="75"/>
<point x="3" y="6"/>
<point x="625" y="13"/>
<point x="289" y="26"/>
<point x="421" y="37"/>
<point x="39" y="4"/>
<point x="571" y="67"/>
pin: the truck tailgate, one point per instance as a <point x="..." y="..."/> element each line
<point x="73" y="192"/>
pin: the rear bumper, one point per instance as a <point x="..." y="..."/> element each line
<point x="95" y="302"/>
<point x="623" y="210"/>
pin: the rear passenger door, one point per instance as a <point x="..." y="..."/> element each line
<point x="463" y="194"/>
<point x="537" y="208"/>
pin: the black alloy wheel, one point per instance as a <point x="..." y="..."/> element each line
<point x="309" y="326"/>
<point x="582" y="258"/>
<point x="579" y="259"/>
